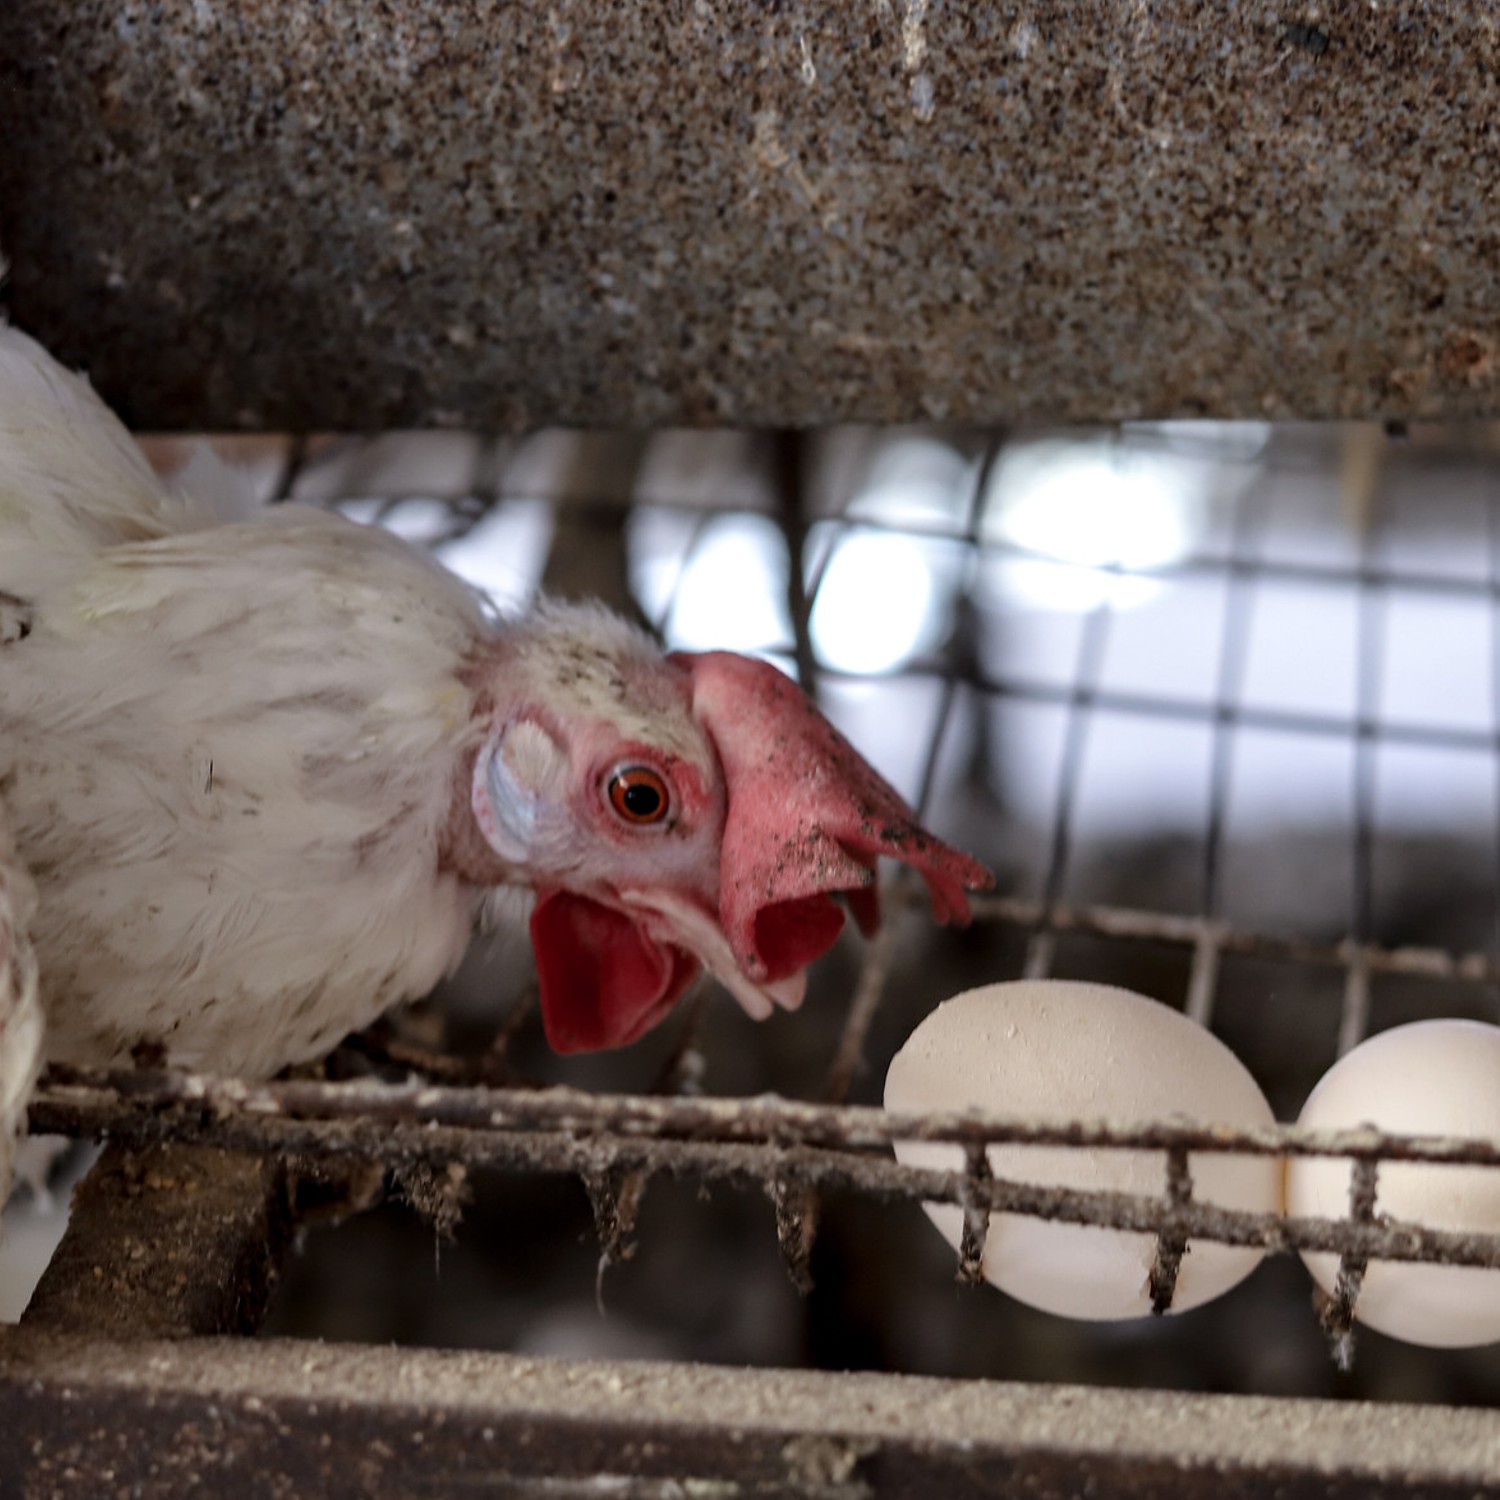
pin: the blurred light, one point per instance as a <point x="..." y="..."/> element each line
<point x="876" y="606"/>
<point x="419" y="520"/>
<point x="732" y="593"/>
<point x="504" y="554"/>
<point x="659" y="540"/>
<point x="1065" y="587"/>
<point x="886" y="596"/>
<point x="914" y="481"/>
<point x="1218" y="442"/>
<point x="365" y="512"/>
<point x="1083" y="510"/>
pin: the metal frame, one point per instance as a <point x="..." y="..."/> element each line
<point x="161" y="1419"/>
<point x="755" y="217"/>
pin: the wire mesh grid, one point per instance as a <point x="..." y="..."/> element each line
<point x="806" y="500"/>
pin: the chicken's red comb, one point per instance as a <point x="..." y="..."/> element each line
<point x="807" y="816"/>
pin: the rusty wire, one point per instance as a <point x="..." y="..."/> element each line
<point x="763" y="1140"/>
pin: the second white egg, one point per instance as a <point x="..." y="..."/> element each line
<point x="1437" y="1077"/>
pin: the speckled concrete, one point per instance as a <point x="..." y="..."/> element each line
<point x="281" y="212"/>
<point x="282" y="1417"/>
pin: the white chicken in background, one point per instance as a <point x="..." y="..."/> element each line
<point x="20" y="1005"/>
<point x="264" y="768"/>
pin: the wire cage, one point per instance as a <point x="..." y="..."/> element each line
<point x="1218" y="700"/>
<point x="1182" y="791"/>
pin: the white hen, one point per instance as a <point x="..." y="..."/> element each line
<point x="264" y="770"/>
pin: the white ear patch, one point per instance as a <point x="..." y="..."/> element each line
<point x="517" y="776"/>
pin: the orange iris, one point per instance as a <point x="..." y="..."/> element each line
<point x="639" y="795"/>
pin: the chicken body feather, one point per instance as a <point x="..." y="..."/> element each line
<point x="229" y="759"/>
<point x="72" y="480"/>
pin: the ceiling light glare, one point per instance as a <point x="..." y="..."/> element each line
<point x="733" y="591"/>
<point x="877" y="605"/>
<point x="1089" y="520"/>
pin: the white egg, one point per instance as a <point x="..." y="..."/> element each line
<point x="1429" y="1078"/>
<point x="1057" y="1050"/>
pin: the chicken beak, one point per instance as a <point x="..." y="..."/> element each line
<point x="683" y="922"/>
<point x="806" y="820"/>
<point x="609" y="970"/>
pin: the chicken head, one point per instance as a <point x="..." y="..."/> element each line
<point x="677" y="812"/>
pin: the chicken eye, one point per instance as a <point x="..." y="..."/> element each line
<point x="638" y="794"/>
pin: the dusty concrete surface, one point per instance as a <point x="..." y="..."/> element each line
<point x="290" y="1418"/>
<point x="285" y="213"/>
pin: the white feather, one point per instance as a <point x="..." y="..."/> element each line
<point x="228" y="753"/>
<point x="214" y="492"/>
<point x="231" y="745"/>
<point x="230" y="756"/>
<point x="20" y="1003"/>
<point x="71" y="477"/>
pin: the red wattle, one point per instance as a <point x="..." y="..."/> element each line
<point x="604" y="981"/>
<point x="791" y="934"/>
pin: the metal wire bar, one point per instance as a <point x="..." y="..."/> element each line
<point x="1337" y="1314"/>
<point x="467" y="510"/>
<point x="1368" y="576"/>
<point x="1212" y="450"/>
<point x="1170" y="1248"/>
<point x="1203" y="976"/>
<point x="1234" y="646"/>
<point x="1191" y="564"/>
<point x="1249" y="523"/>
<point x="86" y="1102"/>
<point x="753" y="1142"/>
<point x="790" y="461"/>
<point x="873" y="974"/>
<point x="795" y="1151"/>
<point x="662" y="617"/>
<point x="490" y="463"/>
<point x="976" y="1223"/>
<point x="1165" y="927"/>
<point x="1354" y="1004"/>
<point x="293" y="462"/>
<point x="875" y="970"/>
<point x="1160" y="706"/>
<point x="794" y="1197"/>
<point x="1199" y="564"/>
<point x="495" y="491"/>
<point x="1082" y="702"/>
<point x="1492" y="536"/>
<point x="1354" y="1013"/>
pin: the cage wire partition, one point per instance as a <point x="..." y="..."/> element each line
<point x="784" y="1110"/>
